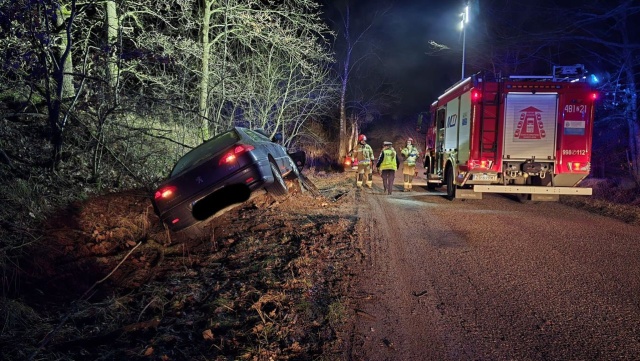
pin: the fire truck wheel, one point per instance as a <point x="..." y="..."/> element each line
<point x="451" y="187"/>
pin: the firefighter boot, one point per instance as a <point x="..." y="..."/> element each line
<point x="406" y="186"/>
<point x="359" y="180"/>
<point x="370" y="180"/>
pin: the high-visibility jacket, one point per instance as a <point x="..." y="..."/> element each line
<point x="388" y="160"/>
<point x="363" y="153"/>
<point x="410" y="154"/>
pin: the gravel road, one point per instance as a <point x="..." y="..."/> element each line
<point x="493" y="279"/>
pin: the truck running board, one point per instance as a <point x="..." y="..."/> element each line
<point x="575" y="191"/>
<point x="467" y="194"/>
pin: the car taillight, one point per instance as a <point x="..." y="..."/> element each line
<point x="231" y="156"/>
<point x="166" y="192"/>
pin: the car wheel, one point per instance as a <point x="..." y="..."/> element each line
<point x="451" y="187"/>
<point x="277" y="189"/>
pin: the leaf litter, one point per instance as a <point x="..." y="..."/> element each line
<point x="262" y="281"/>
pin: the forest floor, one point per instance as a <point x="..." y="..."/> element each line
<point x="262" y="281"/>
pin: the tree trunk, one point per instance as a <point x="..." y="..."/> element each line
<point x="61" y="73"/>
<point x="112" y="23"/>
<point x="342" y="150"/>
<point x="634" y="127"/>
<point x="631" y="110"/>
<point x="203" y="109"/>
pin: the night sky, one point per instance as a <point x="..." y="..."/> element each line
<point x="397" y="45"/>
<point x="396" y="48"/>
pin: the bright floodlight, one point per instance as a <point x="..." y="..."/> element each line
<point x="465" y="20"/>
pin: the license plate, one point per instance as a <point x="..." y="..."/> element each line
<point x="485" y="177"/>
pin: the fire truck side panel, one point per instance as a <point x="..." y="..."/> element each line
<point x="530" y="126"/>
<point x="451" y="125"/>
<point x="464" y="129"/>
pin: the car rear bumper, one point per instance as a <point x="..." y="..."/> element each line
<point x="252" y="176"/>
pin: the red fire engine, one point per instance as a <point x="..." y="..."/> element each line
<point x="525" y="135"/>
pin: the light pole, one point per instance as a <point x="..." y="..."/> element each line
<point x="463" y="26"/>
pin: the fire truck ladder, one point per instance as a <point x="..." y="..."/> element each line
<point x="489" y="107"/>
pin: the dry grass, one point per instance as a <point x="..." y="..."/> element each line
<point x="617" y="198"/>
<point x="263" y="281"/>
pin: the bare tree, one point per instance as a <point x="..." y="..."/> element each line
<point x="37" y="55"/>
<point x="262" y="52"/>
<point x="607" y="34"/>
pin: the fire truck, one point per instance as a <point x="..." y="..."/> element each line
<point x="529" y="136"/>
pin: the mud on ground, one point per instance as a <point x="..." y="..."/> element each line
<point x="263" y="281"/>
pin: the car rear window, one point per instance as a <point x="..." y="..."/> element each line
<point x="257" y="136"/>
<point x="205" y="151"/>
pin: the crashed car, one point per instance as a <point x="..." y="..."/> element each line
<point x="222" y="171"/>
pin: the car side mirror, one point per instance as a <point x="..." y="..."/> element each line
<point x="423" y="121"/>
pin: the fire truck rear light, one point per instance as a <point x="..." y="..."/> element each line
<point x="594" y="96"/>
<point x="485" y="164"/>
<point x="476" y="95"/>
<point x="578" y="167"/>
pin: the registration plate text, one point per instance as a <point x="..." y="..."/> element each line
<point x="485" y="176"/>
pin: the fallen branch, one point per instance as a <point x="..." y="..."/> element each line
<point x="419" y="294"/>
<point x="110" y="273"/>
<point x="365" y="314"/>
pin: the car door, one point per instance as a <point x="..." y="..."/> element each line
<point x="266" y="146"/>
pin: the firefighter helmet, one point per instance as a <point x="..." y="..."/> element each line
<point x="362" y="138"/>
<point x="410" y="140"/>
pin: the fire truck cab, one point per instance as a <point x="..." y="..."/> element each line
<point x="529" y="136"/>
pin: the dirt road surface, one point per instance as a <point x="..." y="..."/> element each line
<point x="492" y="279"/>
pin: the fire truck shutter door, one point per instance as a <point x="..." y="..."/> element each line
<point x="530" y="124"/>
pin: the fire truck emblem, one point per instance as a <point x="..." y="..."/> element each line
<point x="530" y="124"/>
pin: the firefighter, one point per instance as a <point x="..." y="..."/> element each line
<point x="364" y="154"/>
<point x="410" y="156"/>
<point x="387" y="165"/>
